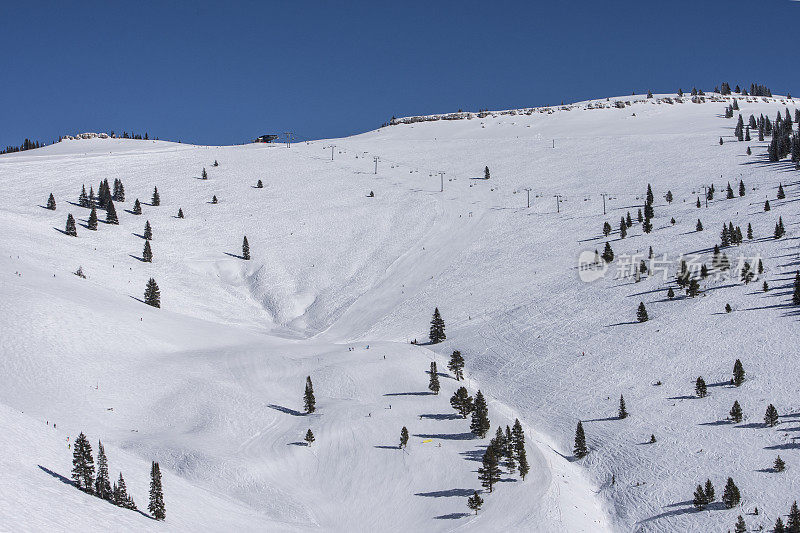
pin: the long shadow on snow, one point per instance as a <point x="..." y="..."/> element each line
<point x="446" y="436"/>
<point x="387" y="447"/>
<point x="451" y="516"/>
<point x="442" y="416"/>
<point x="426" y="393"/>
<point x="286" y="410"/>
<point x="447" y="493"/>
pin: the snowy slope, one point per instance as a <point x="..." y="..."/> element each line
<point x="210" y="384"/>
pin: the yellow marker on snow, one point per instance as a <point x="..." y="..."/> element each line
<point x="429" y="440"/>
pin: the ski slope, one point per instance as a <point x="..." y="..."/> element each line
<point x="210" y="385"/>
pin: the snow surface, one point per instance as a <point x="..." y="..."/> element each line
<point x="210" y="385"/>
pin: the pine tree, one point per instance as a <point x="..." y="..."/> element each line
<point x="152" y="295"/>
<point x="204" y="174"/>
<point x="778" y="526"/>
<point x="623" y="229"/>
<point x="700" y="387"/>
<point x="623" y="413"/>
<point x="522" y="459"/>
<point x="628" y="220"/>
<point x="796" y="290"/>
<point x="309" y="401"/>
<point x="649" y="197"/>
<point x="728" y="308"/>
<point x="729" y="192"/>
<point x="92" y="197"/>
<point x="70" y="228"/>
<point x="474" y="502"/>
<point x="771" y="416"/>
<point x="137" y="207"/>
<point x="480" y="416"/>
<point x="147" y="253"/>
<point x="214" y="199"/>
<point x="720" y="141"/>
<point x="156" y="505"/>
<point x="740" y="526"/>
<point x="83" y="199"/>
<point x="245" y="249"/>
<point x="670" y="293"/>
<point x="156" y="200"/>
<point x="102" y="485"/>
<point x="437" y="334"/>
<point x="434" y="382"/>
<point x="486" y="173"/>
<point x="309" y="438"/>
<point x="741" y="188"/>
<point x="51" y="203"/>
<point x="456" y="365"/>
<point x="731" y="496"/>
<point x="216" y="164"/>
<point x="509" y="451"/>
<point x="698" y="203"/>
<point x="92" y="222"/>
<point x="738" y="373"/>
<point x="749" y="232"/>
<point x="781" y="194"/>
<point x="793" y="523"/>
<point x="765" y="286"/>
<point x="699" y="499"/>
<point x="489" y="473"/>
<point x="259" y="185"/>
<point x="699" y="226"/>
<point x="120" y="495"/>
<point x="83" y="464"/>
<point x="639" y="216"/>
<point x="606" y="226"/>
<point x="779" y="465"/>
<point x="608" y="253"/>
<point x="749" y="151"/>
<point x="647" y="225"/>
<point x="693" y="288"/>
<point x="710" y="492"/>
<point x="580" y="450"/>
<point x="766" y="205"/>
<point x="180" y="212"/>
<point x="668" y="197"/>
<point x="736" y="412"/>
<point x="641" y="313"/>
<point x="725" y="237"/>
<point x="148" y="231"/>
<point x="461" y="401"/>
<point x="111" y="212"/>
<point x="403" y="437"/>
<point x="119" y="191"/>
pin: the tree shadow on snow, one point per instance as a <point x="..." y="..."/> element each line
<point x="297" y="443"/>
<point x="446" y="436"/>
<point x="606" y="419"/>
<point x="234" y="255"/>
<point x="452" y="516"/>
<point x="386" y="447"/>
<point x="58" y="476"/>
<point x="446" y="493"/>
<point x="426" y="393"/>
<point x="286" y="410"/>
<point x="632" y="323"/>
<point x="138" y="235"/>
<point x="62" y="231"/>
<point x="784" y="446"/>
<point x="474" y="455"/>
<point x="140" y="259"/>
<point x="443" y="416"/>
<point x="684" y="397"/>
<point x="138" y="299"/>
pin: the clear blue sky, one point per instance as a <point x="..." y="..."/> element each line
<point x="221" y="73"/>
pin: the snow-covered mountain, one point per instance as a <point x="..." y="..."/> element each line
<point x="211" y="384"/>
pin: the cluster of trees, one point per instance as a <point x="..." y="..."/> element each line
<point x="755" y="90"/>
<point x="784" y="140"/>
<point x="83" y="474"/>
<point x="505" y="449"/>
<point x="705" y="495"/>
<point x="27" y="144"/>
<point x="792" y="523"/>
<point x="780" y="231"/>
<point x="731" y="235"/>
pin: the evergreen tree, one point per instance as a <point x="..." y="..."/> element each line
<point x="693" y="289"/>
<point x="102" y="485"/>
<point x="580" y="450"/>
<point x="749" y="151"/>
<point x="245" y="249"/>
<point x="204" y="174"/>
<point x="308" y="397"/>
<point x="156" y="505"/>
<point x="700" y="387"/>
<point x="779" y="465"/>
<point x="699" y="226"/>
<point x="510" y="451"/>
<point x="309" y="438"/>
<point x="92" y="222"/>
<point x="51" y="203"/>
<point x="736" y="412"/>
<point x="728" y="308"/>
<point x="628" y="220"/>
<point x="148" y="231"/>
<point x="152" y="295"/>
<point x="522" y="459"/>
<point x="120" y="495"/>
<point x="641" y="313"/>
<point x="92" y="197"/>
<point x="771" y="416"/>
<point x="437" y="334"/>
<point x="781" y="194"/>
<point x="741" y="188"/>
<point x="489" y="473"/>
<point x="749" y="232"/>
<point x="623" y="413"/>
<point x="623" y="229"/>
<point x="216" y="164"/>
<point x="486" y="173"/>
<point x="738" y="373"/>
<point x="70" y="228"/>
<point x="434" y="382"/>
<point x="778" y="526"/>
<point x="119" y="191"/>
<point x="156" y="200"/>
<point x="668" y="197"/>
<point x="670" y="293"/>
<point x="765" y="286"/>
<point x="83" y="464"/>
<point x="474" y="502"/>
<point x="403" y="437"/>
<point x="461" y="401"/>
<point x="731" y="496"/>
<point x="720" y="141"/>
<point x="647" y="225"/>
<point x="180" y="212"/>
<point x="259" y="185"/>
<point x="83" y="199"/>
<point x="137" y="207"/>
<point x="766" y="205"/>
<point x="111" y="212"/>
<point x="608" y="253"/>
<point x="796" y="290"/>
<point x="606" y="225"/>
<point x="710" y="492"/>
<point x="729" y="192"/>
<point x="639" y="216"/>
<point x="699" y="499"/>
<point x="147" y="253"/>
<point x="793" y="523"/>
<point x="214" y="199"/>
<point x="698" y="203"/>
<point x="479" y="425"/>
<point x="740" y="526"/>
<point x="649" y="197"/>
<point x="456" y="365"/>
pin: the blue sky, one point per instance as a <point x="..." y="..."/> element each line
<point x="221" y="73"/>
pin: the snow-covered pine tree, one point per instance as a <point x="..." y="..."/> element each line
<point x="738" y="373"/>
<point x="741" y="188"/>
<point x="698" y="203"/>
<point x="83" y="464"/>
<point x="119" y="191"/>
<point x="623" y="229"/>
<point x="608" y="253"/>
<point x="709" y="491"/>
<point x="781" y="194"/>
<point x="749" y="232"/>
<point x="111" y="212"/>
<point x="156" y="504"/>
<point x="793" y="522"/>
<point x="102" y="485"/>
<point x="731" y="496"/>
<point x="456" y="365"/>
<point x="309" y="438"/>
<point x="461" y="401"/>
<point x="480" y="416"/>
<point x="92" y="222"/>
<point x="152" y="294"/>
<point x="700" y="387"/>
<point x="771" y="416"/>
<point x="766" y="205"/>
<point x="580" y="450"/>
<point x="622" y="413"/>
<point x="474" y="502"/>
<point x="641" y="313"/>
<point x="214" y="199"/>
<point x="51" y="202"/>
<point x="699" y="498"/>
<point x="147" y="253"/>
<point x="403" y="437"/>
<point x="668" y="197"/>
<point x="245" y="249"/>
<point x="437" y="334"/>
<point x="137" y="207"/>
<point x="779" y="465"/>
<point x="740" y="526"/>
<point x="309" y="401"/>
<point x="83" y="199"/>
<point x="489" y="473"/>
<point x="628" y="220"/>
<point x="156" y="199"/>
<point x="647" y="225"/>
<point x="606" y="225"/>
<point x="699" y="225"/>
<point x="736" y="412"/>
<point x="522" y="459"/>
<point x="148" y="231"/>
<point x="433" y="385"/>
<point x="509" y="451"/>
<point x="120" y="495"/>
<point x="639" y="216"/>
<point x="649" y="197"/>
<point x="70" y="227"/>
